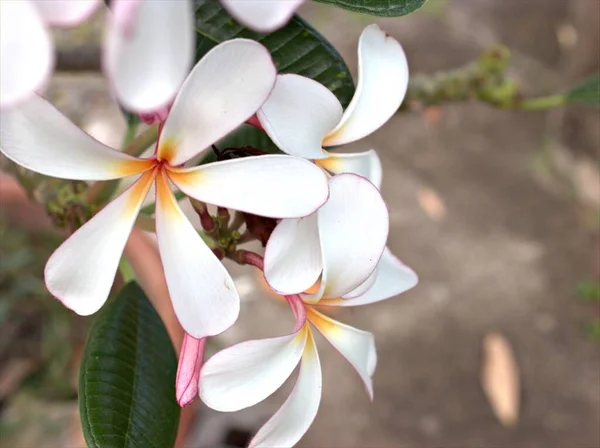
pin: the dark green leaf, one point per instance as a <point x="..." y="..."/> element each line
<point x="127" y="377"/>
<point x="587" y="92"/>
<point x="383" y="8"/>
<point x="248" y="135"/>
<point x="296" y="48"/>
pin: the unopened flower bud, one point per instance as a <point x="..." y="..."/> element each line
<point x="191" y="359"/>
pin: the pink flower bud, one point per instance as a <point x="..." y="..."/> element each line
<point x="191" y="359"/>
<point x="155" y="117"/>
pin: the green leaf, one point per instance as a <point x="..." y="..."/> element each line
<point x="127" y="377"/>
<point x="587" y="92"/>
<point x="296" y="48"/>
<point x="248" y="135"/>
<point x="382" y="8"/>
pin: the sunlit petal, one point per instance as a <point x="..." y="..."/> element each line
<point x="298" y="115"/>
<point x="66" y="12"/>
<point x="293" y="419"/>
<point x="353" y="229"/>
<point x="40" y="138"/>
<point x="203" y="294"/>
<point x="382" y="84"/>
<point x="245" y="374"/>
<point x="81" y="271"/>
<point x="366" y="164"/>
<point x="357" y="346"/>
<point x="293" y="260"/>
<point x="277" y="186"/>
<point x="262" y="15"/>
<point x="26" y="53"/>
<point x="226" y="87"/>
<point x="149" y="50"/>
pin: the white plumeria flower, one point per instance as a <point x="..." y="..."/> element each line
<point x="225" y="88"/>
<point x="245" y="374"/>
<point x="148" y="52"/>
<point x="262" y="15"/>
<point x="26" y="50"/>
<point x="339" y="245"/>
<point x="302" y="116"/>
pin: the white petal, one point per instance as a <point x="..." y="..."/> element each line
<point x="262" y="15"/>
<point x="353" y="228"/>
<point x="366" y="285"/>
<point x="66" y="12"/>
<point x="148" y="51"/>
<point x="203" y="294"/>
<point x="40" y="138"/>
<point x="26" y="53"/>
<point x="357" y="346"/>
<point x="245" y="374"/>
<point x="366" y="164"/>
<point x="382" y="84"/>
<point x="293" y="255"/>
<point x="392" y="277"/>
<point x="277" y="186"/>
<point x="81" y="271"/>
<point x="293" y="419"/>
<point x="298" y="114"/>
<point x="226" y="87"/>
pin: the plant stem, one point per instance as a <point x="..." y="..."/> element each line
<point x="142" y="142"/>
<point x="546" y="102"/>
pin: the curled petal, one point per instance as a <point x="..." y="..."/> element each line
<point x="81" y="271"/>
<point x="224" y="89"/>
<point x="203" y="294"/>
<point x="191" y="359"/>
<point x="149" y="49"/>
<point x="298" y="114"/>
<point x="26" y="53"/>
<point x="245" y="374"/>
<point x="357" y="346"/>
<point x="353" y="229"/>
<point x="275" y="186"/>
<point x="66" y="12"/>
<point x="262" y="15"/>
<point x="366" y="164"/>
<point x="293" y="419"/>
<point x="293" y="255"/>
<point x="392" y="277"/>
<point x="382" y="84"/>
<point x="40" y="138"/>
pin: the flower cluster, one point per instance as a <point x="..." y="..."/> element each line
<point x="329" y="246"/>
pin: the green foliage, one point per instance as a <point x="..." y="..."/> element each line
<point x="296" y="48"/>
<point x="587" y="92"/>
<point x="127" y="377"/>
<point x="383" y="8"/>
<point x="589" y="291"/>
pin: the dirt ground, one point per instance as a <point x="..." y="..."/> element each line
<point x="498" y="243"/>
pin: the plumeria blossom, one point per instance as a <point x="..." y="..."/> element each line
<point x="148" y="52"/>
<point x="262" y="15"/>
<point x="245" y="374"/>
<point x="225" y="88"/>
<point x="338" y="246"/>
<point x="26" y="50"/>
<point x="302" y="116"/>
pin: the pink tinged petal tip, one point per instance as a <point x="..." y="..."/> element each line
<point x="26" y="52"/>
<point x="156" y="117"/>
<point x="191" y="359"/>
<point x="148" y="51"/>
<point x="66" y="12"/>
<point x="262" y="15"/>
<point x="382" y="84"/>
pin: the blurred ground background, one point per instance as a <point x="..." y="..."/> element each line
<point x="496" y="210"/>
